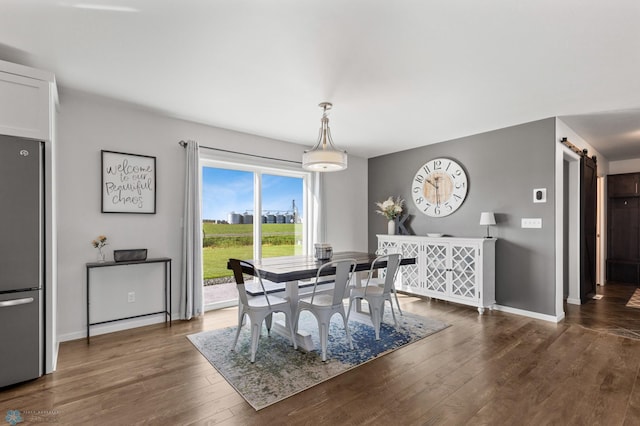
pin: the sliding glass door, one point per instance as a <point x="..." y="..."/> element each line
<point x="282" y="215"/>
<point x="249" y="212"/>
<point x="227" y="199"/>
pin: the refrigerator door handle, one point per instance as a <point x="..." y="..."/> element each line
<point x="16" y="302"/>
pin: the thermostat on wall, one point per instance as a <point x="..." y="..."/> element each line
<point x="540" y="195"/>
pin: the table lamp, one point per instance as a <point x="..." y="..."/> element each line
<point x="488" y="219"/>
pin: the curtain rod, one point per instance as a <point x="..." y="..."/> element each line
<point x="184" y="145"/>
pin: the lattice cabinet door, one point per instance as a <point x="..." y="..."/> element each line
<point x="411" y="273"/>
<point x="386" y="247"/>
<point x="464" y="271"/>
<point x="436" y="267"/>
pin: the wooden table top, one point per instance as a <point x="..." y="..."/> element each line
<point x="293" y="268"/>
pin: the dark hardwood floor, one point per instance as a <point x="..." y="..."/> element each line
<point x="492" y="369"/>
<point x="608" y="314"/>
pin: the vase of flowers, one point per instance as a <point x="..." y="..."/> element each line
<point x="99" y="243"/>
<point x="391" y="209"/>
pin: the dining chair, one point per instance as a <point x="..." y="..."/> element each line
<point x="258" y="308"/>
<point x="374" y="295"/>
<point x="380" y="282"/>
<point x="324" y="305"/>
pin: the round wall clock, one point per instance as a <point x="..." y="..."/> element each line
<point x="439" y="187"/>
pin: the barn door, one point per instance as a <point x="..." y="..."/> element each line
<point x="588" y="227"/>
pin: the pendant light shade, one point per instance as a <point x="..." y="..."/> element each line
<point x="324" y="156"/>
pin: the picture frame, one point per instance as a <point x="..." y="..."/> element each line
<point x="128" y="183"/>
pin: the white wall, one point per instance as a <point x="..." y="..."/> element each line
<point x="88" y="124"/>
<point x="347" y="207"/>
<point x="624" y="166"/>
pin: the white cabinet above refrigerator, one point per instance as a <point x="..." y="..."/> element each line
<point x="25" y="107"/>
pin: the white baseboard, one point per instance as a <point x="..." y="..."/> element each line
<point x="574" y="301"/>
<point x="112" y="327"/>
<point x="536" y="315"/>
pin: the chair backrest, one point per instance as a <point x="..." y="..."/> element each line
<point x="240" y="267"/>
<point x="344" y="270"/>
<point x="393" y="265"/>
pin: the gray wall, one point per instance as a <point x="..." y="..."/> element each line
<point x="503" y="167"/>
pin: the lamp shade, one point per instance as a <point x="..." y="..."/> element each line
<point x="321" y="160"/>
<point x="487" y="218"/>
<point x="324" y="156"/>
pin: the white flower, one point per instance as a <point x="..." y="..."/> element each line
<point x="390" y="208"/>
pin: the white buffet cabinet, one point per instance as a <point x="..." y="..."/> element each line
<point x="460" y="270"/>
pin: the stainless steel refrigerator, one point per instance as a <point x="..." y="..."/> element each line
<point x="21" y="259"/>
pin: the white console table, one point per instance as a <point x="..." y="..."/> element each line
<point x="460" y="270"/>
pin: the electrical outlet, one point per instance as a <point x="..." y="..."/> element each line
<point x="131" y="297"/>
<point x="533" y="222"/>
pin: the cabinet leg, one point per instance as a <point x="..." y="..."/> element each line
<point x="480" y="310"/>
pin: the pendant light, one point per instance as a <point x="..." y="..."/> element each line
<point x="324" y="156"/>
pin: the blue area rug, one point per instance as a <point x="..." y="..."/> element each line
<point x="280" y="371"/>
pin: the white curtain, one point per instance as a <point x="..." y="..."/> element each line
<point x="318" y="214"/>
<point x="191" y="298"/>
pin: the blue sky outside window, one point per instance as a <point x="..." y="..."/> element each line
<point x="225" y="191"/>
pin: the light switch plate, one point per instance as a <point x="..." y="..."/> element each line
<point x="540" y="195"/>
<point x="532" y="222"/>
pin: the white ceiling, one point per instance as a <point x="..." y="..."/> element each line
<point x="400" y="74"/>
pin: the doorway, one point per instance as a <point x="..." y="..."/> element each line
<point x="588" y="227"/>
<point x="568" y="195"/>
<point x="600" y="247"/>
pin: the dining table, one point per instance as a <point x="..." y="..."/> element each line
<point x="295" y="272"/>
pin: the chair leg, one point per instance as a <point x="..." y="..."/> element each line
<point x="255" y="333"/>
<point x="240" y="315"/>
<point x="346" y="327"/>
<point x="349" y="309"/>
<point x="376" y="317"/>
<point x="235" y="341"/>
<point x="395" y="294"/>
<point x="324" y="337"/>
<point x="392" y="312"/>
<point x="269" y="320"/>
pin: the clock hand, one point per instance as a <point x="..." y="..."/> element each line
<point x="432" y="184"/>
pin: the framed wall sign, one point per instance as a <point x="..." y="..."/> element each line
<point x="128" y="183"/>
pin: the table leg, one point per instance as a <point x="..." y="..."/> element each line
<point x="303" y="338"/>
<point x="360" y="280"/>
<point x="291" y="293"/>
<point x="357" y="313"/>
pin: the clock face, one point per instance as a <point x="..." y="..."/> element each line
<point x="439" y="187"/>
